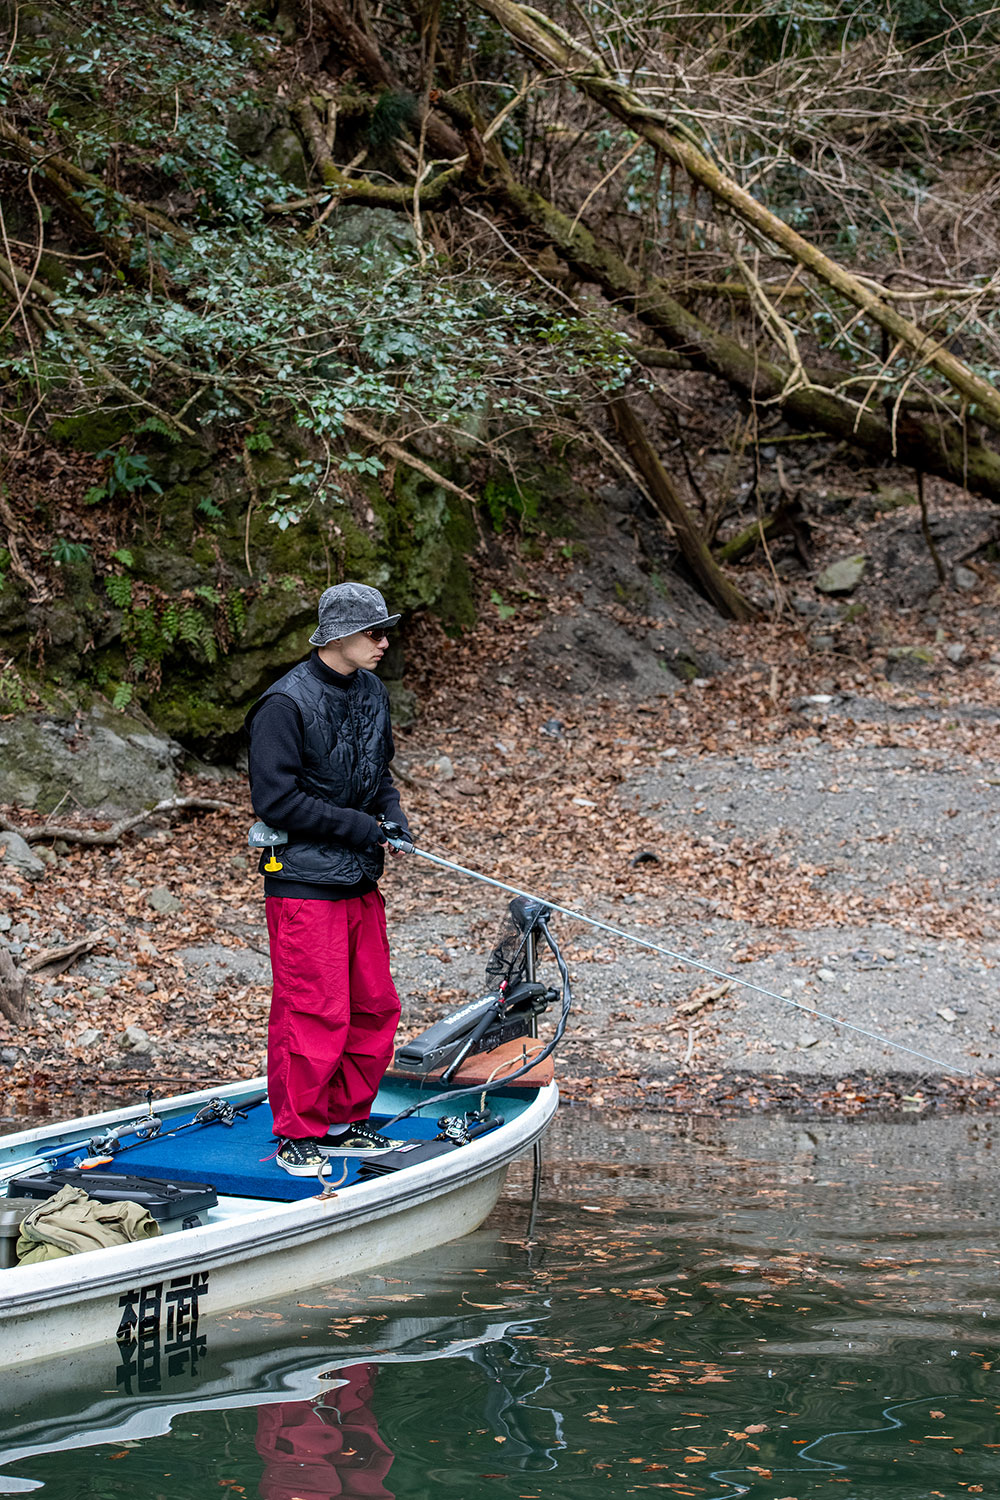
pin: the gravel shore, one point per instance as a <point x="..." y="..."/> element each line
<point x="868" y="827"/>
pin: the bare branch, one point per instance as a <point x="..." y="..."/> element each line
<point x="92" y="836"/>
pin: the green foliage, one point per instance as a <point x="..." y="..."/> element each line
<point x="161" y="428"/>
<point x="202" y="625"/>
<point x="284" y="516"/>
<point x="119" y="590"/>
<point x="236" y="613"/>
<point x="14" y="696"/>
<point x="503" y="610"/>
<point x="151" y="630"/>
<point x="395" y="114"/>
<point x="129" y="474"/>
<point x="802" y="28"/>
<point x="318" y="333"/>
<point x="244" y="323"/>
<point x="65" y="553"/>
<point x="359" y="463"/>
<point x="167" y="81"/>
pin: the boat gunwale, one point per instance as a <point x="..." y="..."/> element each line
<point x="42" y="1286"/>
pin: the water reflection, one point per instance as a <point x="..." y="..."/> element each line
<point x="696" y="1315"/>
<point x="515" y="1407"/>
<point x="312" y="1450"/>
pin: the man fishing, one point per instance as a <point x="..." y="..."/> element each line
<point x="320" y="749"/>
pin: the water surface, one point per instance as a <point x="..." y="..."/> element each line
<point x="703" y="1309"/>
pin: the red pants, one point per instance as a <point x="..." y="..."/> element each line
<point x="315" y="1450"/>
<point x="334" y="1011"/>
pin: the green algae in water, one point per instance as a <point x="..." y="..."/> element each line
<point x="706" y="1309"/>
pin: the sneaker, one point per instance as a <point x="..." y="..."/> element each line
<point x="358" y="1140"/>
<point x="302" y="1158"/>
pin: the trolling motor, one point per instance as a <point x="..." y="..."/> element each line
<point x="509" y="1011"/>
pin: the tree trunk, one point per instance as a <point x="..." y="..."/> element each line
<point x="724" y="595"/>
<point x="13" y="990"/>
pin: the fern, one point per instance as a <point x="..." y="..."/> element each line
<point x="194" y="630"/>
<point x="170" y="623"/>
<point x="119" y="591"/>
<point x="163" y="429"/>
<point x="236" y="613"/>
<point x="147" y="633"/>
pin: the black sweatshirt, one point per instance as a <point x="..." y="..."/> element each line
<point x="275" y="764"/>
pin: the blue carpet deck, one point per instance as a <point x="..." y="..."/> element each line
<point x="239" y="1161"/>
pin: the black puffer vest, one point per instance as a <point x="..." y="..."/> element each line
<point x="347" y="746"/>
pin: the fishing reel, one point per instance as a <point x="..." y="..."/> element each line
<point x="460" y="1129"/>
<point x="219" y="1112"/>
<point x="397" y="837"/>
<point x="144" y="1130"/>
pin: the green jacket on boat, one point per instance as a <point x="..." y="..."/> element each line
<point x="71" y="1222"/>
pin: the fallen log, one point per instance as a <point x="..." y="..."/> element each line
<point x="563" y="56"/>
<point x="785" y="518"/>
<point x="92" y="836"/>
<point x="944" y="447"/>
<point x="57" y="960"/>
<point x="724" y="594"/>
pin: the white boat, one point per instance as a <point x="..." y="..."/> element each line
<point x="148" y="1296"/>
<point x="251" y="1231"/>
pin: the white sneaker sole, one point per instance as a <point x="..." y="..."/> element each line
<point x="329" y="1150"/>
<point x="303" y="1171"/>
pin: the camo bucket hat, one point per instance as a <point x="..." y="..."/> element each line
<point x="347" y="608"/>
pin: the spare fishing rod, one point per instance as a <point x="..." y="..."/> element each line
<point x="103" y="1149"/>
<point x="398" y="839"/>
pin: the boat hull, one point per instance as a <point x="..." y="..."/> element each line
<point x="149" y="1298"/>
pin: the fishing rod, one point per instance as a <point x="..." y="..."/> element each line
<point x="104" y="1149"/>
<point x="398" y="839"/>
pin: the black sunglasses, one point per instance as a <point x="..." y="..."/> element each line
<point x="376" y="633"/>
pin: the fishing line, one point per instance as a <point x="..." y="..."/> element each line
<point x="550" y="1046"/>
<point x="683" y="958"/>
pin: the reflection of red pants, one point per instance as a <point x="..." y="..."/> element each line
<point x="316" y="1450"/>
<point x="334" y="1011"/>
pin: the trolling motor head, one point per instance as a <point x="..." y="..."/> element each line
<point x="527" y="913"/>
<point x="513" y="956"/>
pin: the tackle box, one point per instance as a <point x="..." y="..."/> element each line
<point x="174" y="1205"/>
<point x="12" y="1211"/>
